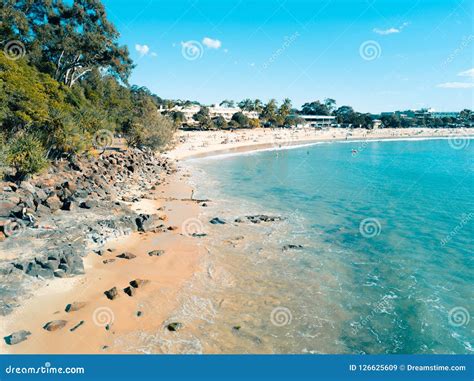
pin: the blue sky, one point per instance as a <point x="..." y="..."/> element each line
<point x="375" y="55"/>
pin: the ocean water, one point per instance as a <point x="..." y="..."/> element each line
<point x="386" y="257"/>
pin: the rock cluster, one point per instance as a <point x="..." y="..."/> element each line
<point x="50" y="222"/>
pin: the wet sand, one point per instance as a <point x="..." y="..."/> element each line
<point x="106" y="320"/>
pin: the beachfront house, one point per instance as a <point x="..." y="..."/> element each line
<point x="316" y="121"/>
<point x="214" y="111"/>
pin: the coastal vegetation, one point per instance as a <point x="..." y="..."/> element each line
<point x="64" y="86"/>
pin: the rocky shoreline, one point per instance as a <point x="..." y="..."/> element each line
<point x="50" y="223"/>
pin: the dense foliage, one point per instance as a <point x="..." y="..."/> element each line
<point x="63" y="81"/>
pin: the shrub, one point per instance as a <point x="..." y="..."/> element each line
<point x="155" y="132"/>
<point x="254" y="123"/>
<point x="241" y="119"/>
<point x="26" y="155"/>
<point x="220" y="122"/>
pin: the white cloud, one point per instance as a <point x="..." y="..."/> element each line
<point x="390" y="30"/>
<point x="467" y="73"/>
<point x="143" y="50"/>
<point x="456" y="85"/>
<point x="153" y="54"/>
<point x="386" y="31"/>
<point x="211" y="43"/>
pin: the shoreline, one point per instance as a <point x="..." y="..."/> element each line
<point x="106" y="322"/>
<point x="203" y="144"/>
<point x="113" y="326"/>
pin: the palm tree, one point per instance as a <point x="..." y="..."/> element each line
<point x="246" y="105"/>
<point x="258" y="105"/>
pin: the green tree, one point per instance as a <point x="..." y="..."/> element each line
<point x="246" y="105"/>
<point x="284" y="110"/>
<point x="269" y="112"/>
<point x="227" y="103"/>
<point x="220" y="122"/>
<point x="67" y="40"/>
<point x="204" y="119"/>
<point x="241" y="119"/>
<point x="315" y="108"/>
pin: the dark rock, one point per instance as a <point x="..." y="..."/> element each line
<point x="130" y="291"/>
<point x="89" y="204"/>
<point x="112" y="293"/>
<point x="156" y="253"/>
<point x="75" y="306"/>
<point x="173" y="327"/>
<point x="17" y="337"/>
<point x="64" y="267"/>
<point x="77" y="326"/>
<point x="171" y="228"/>
<point x="54" y="325"/>
<point x="60" y="274"/>
<point x="256" y="219"/>
<point x="111" y="260"/>
<point x="137" y="283"/>
<point x="292" y="247"/>
<point x="126" y="255"/>
<point x="146" y="222"/>
<point x="217" y="221"/>
<point x="198" y="235"/>
<point x="34" y="269"/>
<point x="68" y="205"/>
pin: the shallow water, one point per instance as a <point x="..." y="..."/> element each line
<point x="386" y="263"/>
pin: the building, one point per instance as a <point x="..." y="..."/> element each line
<point x="316" y="121"/>
<point x="214" y="111"/>
<point x="376" y="123"/>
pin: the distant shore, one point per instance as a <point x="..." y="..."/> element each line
<point x="196" y="144"/>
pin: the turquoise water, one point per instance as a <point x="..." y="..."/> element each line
<point x="387" y="235"/>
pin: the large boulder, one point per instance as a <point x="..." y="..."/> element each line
<point x="55" y="325"/>
<point x="17" y="337"/>
<point x="53" y="202"/>
<point x="146" y="222"/>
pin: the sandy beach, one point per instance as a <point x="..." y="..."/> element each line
<point x="100" y="325"/>
<point x="103" y="319"/>
<point x="194" y="144"/>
